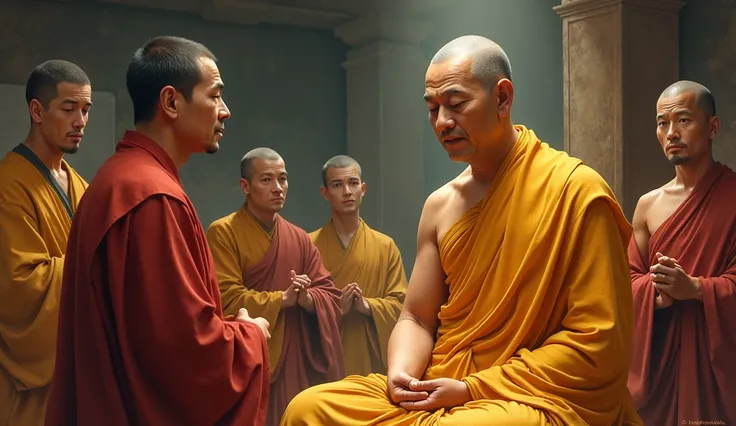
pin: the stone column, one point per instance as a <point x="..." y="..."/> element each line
<point x="386" y="120"/>
<point x="618" y="56"/>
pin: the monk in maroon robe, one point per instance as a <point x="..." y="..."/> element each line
<point x="142" y="338"/>
<point x="271" y="267"/>
<point x="683" y="270"/>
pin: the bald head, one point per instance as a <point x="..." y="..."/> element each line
<point x="489" y="61"/>
<point x="246" y="164"/>
<point x="704" y="97"/>
<point x="340" y="162"/>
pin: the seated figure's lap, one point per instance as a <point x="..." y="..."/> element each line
<point x="357" y="401"/>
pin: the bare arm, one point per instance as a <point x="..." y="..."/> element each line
<point x="412" y="340"/>
<point x="639" y="223"/>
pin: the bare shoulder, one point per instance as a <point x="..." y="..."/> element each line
<point x="647" y="200"/>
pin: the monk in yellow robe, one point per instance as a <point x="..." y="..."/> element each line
<point x="270" y="267"/>
<point x="38" y="197"/>
<point x="519" y="307"/>
<point x="366" y="266"/>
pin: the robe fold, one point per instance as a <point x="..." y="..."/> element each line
<point x="373" y="261"/>
<point x="538" y="322"/>
<point x="142" y="338"/>
<point x="34" y="227"/>
<point x="683" y="367"/>
<point x="253" y="270"/>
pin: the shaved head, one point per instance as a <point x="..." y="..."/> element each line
<point x="704" y="97"/>
<point x="246" y="164"/>
<point x="489" y="62"/>
<point x="340" y="162"/>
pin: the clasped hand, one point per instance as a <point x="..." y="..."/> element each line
<point x="352" y="297"/>
<point x="262" y="323"/>
<point x="672" y="282"/>
<point x="427" y="395"/>
<point x="297" y="292"/>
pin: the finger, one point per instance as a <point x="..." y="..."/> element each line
<point x="292" y="274"/>
<point x="304" y="282"/>
<point x="662" y="288"/>
<point x="424" y="385"/>
<point x="243" y="314"/>
<point x="404" y="379"/>
<point x="405" y="395"/>
<point x="420" y="405"/>
<point x="662" y="279"/>
<point x="663" y="269"/>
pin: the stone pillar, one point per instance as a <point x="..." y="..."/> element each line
<point x="386" y="120"/>
<point x="618" y="56"/>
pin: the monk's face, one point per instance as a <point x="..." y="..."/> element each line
<point x="683" y="129"/>
<point x="200" y="121"/>
<point x="345" y="190"/>
<point x="464" y="114"/>
<point x="63" y="121"/>
<point x="267" y="187"/>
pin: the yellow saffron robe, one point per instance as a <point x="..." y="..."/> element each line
<point x="373" y="261"/>
<point x="539" y="318"/>
<point x="34" y="228"/>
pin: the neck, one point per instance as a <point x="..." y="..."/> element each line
<point x="487" y="166"/>
<point x="346" y="225"/>
<point x="688" y="175"/>
<point x="164" y="136"/>
<point x="266" y="218"/>
<point x="51" y="157"/>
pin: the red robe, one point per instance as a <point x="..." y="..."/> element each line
<point x="683" y="367"/>
<point x="142" y="339"/>
<point x="311" y="352"/>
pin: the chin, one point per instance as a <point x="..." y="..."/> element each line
<point x="69" y="149"/>
<point x="213" y="148"/>
<point x="677" y="160"/>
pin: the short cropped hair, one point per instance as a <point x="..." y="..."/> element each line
<point x="340" y="162"/>
<point x="43" y="82"/>
<point x="163" y="61"/>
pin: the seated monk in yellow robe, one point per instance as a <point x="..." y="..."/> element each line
<point x="39" y="193"/>
<point x="271" y="268"/>
<point x="519" y="308"/>
<point x="366" y="266"/>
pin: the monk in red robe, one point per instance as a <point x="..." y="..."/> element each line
<point x="271" y="267"/>
<point x="683" y="272"/>
<point x="142" y="338"/>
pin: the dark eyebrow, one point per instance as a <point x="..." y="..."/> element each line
<point x="681" y="111"/>
<point x="73" y="102"/>
<point x="448" y="92"/>
<point x="219" y="85"/>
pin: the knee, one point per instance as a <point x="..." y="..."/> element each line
<point x="303" y="407"/>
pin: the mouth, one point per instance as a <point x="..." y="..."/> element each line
<point x="452" y="140"/>
<point x="675" y="147"/>
<point x="277" y="200"/>
<point x="220" y="133"/>
<point x="350" y="202"/>
<point x="76" y="137"/>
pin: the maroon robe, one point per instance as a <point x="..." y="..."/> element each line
<point x="683" y="367"/>
<point x="311" y="352"/>
<point x="142" y="339"/>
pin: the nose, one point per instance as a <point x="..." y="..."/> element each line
<point x="80" y="121"/>
<point x="346" y="190"/>
<point x="278" y="188"/>
<point x="444" y="119"/>
<point x="672" y="132"/>
<point x="224" y="112"/>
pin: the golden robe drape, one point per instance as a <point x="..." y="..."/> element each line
<point x="34" y="228"/>
<point x="373" y="261"/>
<point x="538" y="322"/>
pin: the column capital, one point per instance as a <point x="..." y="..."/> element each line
<point x="375" y="27"/>
<point x="576" y="7"/>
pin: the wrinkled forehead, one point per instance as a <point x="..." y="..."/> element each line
<point x="209" y="73"/>
<point x="457" y="69"/>
<point x="263" y="165"/>
<point x="680" y="101"/>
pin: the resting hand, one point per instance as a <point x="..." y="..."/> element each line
<point x="443" y="393"/>
<point x="289" y="297"/>
<point x="399" y="390"/>
<point x="669" y="277"/>
<point x="262" y="323"/>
